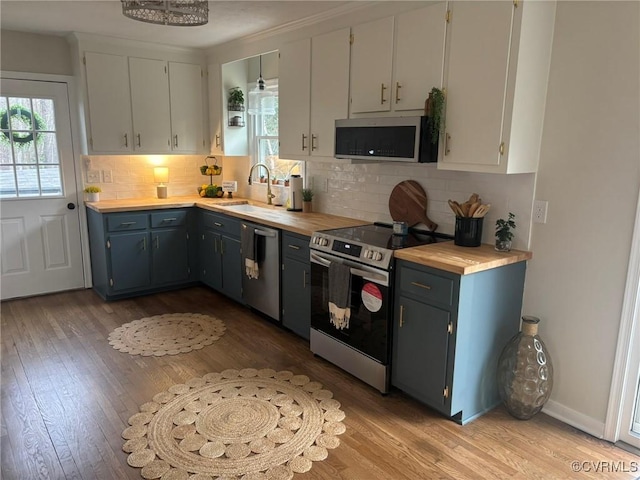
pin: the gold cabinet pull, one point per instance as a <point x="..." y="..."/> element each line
<point x="175" y="141"/>
<point x="313" y="142"/>
<point x="126" y="140"/>
<point x="398" y="87"/>
<point x="144" y="243"/>
<point x="304" y="279"/>
<point x="447" y="140"/>
<point x="157" y="241"/>
<point x="294" y="247"/>
<point x="421" y="285"/>
<point x="401" y="315"/>
<point x="217" y="140"/>
<point x="382" y="89"/>
<point x="304" y="137"/>
<point x="138" y="136"/>
<point x="501" y="148"/>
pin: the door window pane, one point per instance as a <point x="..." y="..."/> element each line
<point x="28" y="148"/>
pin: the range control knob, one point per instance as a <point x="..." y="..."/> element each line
<point x="323" y="242"/>
<point x="376" y="256"/>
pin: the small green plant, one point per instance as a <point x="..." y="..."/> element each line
<point x="436" y="113"/>
<point x="504" y="227"/>
<point x="92" y="189"/>
<point x="307" y="194"/>
<point x="236" y="97"/>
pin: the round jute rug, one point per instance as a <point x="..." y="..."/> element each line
<point x="167" y="334"/>
<point x="236" y="425"/>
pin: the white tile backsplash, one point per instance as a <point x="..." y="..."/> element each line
<point x="362" y="191"/>
<point x="356" y="190"/>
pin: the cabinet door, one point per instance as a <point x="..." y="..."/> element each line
<point x="109" y="103"/>
<point x="150" y="105"/>
<point x="232" y="268"/>
<point x="476" y="81"/>
<point x="215" y="109"/>
<point x="296" y="302"/>
<point x="419" y="56"/>
<point x="129" y="261"/>
<point x="371" y="57"/>
<point x="420" y="351"/>
<point x="187" y="125"/>
<point x="170" y="256"/>
<point x="210" y="261"/>
<point x="329" y="88"/>
<point x="294" y="98"/>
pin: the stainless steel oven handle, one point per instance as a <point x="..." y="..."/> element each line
<point x="354" y="271"/>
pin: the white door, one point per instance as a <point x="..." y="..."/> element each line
<point x="39" y="219"/>
<point x="185" y="89"/>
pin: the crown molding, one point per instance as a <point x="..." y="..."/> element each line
<point x="295" y="25"/>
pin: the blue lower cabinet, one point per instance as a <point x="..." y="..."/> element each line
<point x="141" y="252"/>
<point x="220" y="261"/>
<point x="296" y="275"/>
<point x="448" y="333"/>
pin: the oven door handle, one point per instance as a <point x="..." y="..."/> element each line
<point x="358" y="272"/>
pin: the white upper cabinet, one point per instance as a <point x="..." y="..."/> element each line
<point x="496" y="74"/>
<point x="215" y="108"/>
<point x="419" y="56"/>
<point x="187" y="122"/>
<point x="313" y="89"/>
<point x="371" y="59"/>
<point x="294" y="98"/>
<point x="109" y="103"/>
<point x="150" y="105"/>
<point x="388" y="75"/>
<point x="143" y="105"/>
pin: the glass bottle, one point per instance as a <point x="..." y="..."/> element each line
<point x="525" y="372"/>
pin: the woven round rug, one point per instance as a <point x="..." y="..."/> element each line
<point x="167" y="334"/>
<point x="236" y="425"/>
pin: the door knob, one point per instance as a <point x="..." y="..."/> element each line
<point x="71" y="206"/>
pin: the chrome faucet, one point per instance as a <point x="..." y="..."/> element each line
<point x="269" y="194"/>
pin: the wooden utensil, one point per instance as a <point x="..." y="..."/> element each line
<point x="408" y="203"/>
<point x="482" y="210"/>
<point x="456" y="208"/>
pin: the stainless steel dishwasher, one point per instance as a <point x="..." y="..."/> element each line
<point x="263" y="293"/>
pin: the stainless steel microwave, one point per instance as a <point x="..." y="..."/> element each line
<point x="385" y="139"/>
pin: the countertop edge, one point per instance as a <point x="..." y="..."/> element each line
<point x="461" y="260"/>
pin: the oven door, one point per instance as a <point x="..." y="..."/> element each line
<point x="369" y="329"/>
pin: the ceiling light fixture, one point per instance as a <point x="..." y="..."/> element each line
<point x="261" y="100"/>
<point x="178" y="13"/>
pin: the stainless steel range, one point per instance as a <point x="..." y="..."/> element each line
<point x="363" y="348"/>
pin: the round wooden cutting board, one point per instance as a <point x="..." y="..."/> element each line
<point x="408" y="203"/>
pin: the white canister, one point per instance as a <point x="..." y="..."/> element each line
<point x="295" y="193"/>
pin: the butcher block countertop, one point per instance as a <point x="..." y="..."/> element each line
<point x="279" y="217"/>
<point x="444" y="256"/>
<point x="461" y="260"/>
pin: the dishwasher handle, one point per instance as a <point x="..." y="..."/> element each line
<point x="265" y="233"/>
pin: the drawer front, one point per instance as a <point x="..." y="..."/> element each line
<point x="126" y="222"/>
<point x="295" y="246"/>
<point x="427" y="286"/>
<point x="168" y="219"/>
<point x="221" y="223"/>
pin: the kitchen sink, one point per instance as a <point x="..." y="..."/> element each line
<point x="253" y="210"/>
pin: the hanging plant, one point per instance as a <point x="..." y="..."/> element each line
<point x="32" y="121"/>
<point x="236" y="99"/>
<point x="435" y="113"/>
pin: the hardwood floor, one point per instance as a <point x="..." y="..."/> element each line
<point x="67" y="395"/>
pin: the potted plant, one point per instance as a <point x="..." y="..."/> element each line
<point x="434" y="110"/>
<point x="504" y="233"/>
<point x="93" y="193"/>
<point x="307" y="196"/>
<point x="236" y="100"/>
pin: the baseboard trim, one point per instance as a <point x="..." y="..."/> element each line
<point x="575" y="419"/>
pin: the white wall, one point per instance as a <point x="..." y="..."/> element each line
<point x="590" y="174"/>
<point x="29" y="52"/>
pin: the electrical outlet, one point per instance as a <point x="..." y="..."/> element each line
<point x="107" y="176"/>
<point x="540" y="211"/>
<point x="93" y="176"/>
